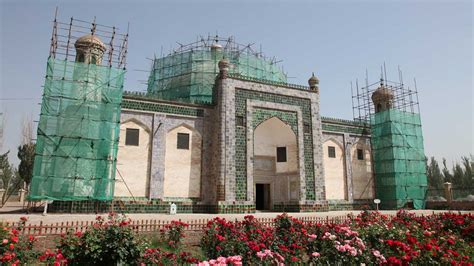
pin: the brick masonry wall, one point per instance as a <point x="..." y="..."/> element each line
<point x="233" y="96"/>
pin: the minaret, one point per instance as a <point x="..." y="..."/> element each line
<point x="398" y="153"/>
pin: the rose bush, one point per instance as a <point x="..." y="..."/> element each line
<point x="16" y="248"/>
<point x="106" y="242"/>
<point x="370" y="238"/>
<point x="173" y="233"/>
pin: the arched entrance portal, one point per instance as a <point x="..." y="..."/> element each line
<point x="276" y="173"/>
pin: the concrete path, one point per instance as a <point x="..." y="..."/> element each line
<point x="36" y="218"/>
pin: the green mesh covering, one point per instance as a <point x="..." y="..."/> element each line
<point x="78" y="132"/>
<point x="190" y="76"/>
<point x="399" y="158"/>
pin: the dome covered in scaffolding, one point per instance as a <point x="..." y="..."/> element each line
<point x="382" y="98"/>
<point x="188" y="73"/>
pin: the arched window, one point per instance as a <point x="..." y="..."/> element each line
<point x="80" y="58"/>
<point x="93" y="60"/>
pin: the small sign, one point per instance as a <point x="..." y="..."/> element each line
<point x="173" y="209"/>
<point x="377" y="202"/>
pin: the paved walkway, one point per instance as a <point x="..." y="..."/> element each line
<point x="36" y="218"/>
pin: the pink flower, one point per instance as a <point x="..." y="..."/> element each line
<point x="204" y="263"/>
<point x="261" y="255"/>
<point x="354" y="252"/>
<point x="279" y="257"/>
<point x="315" y="254"/>
<point x="234" y="258"/>
<point x="268" y="253"/>
<point x="221" y="260"/>
<point x="5" y="241"/>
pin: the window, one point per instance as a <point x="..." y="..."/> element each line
<point x="379" y="108"/>
<point x="131" y="137"/>
<point x="307" y="128"/>
<point x="360" y="154"/>
<point x="183" y="141"/>
<point x="332" y="152"/>
<point x="281" y="154"/>
<point x="80" y="58"/>
<point x="239" y="121"/>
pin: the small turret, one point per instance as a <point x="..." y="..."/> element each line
<point x="313" y="82"/>
<point x="89" y="49"/>
<point x="382" y="98"/>
<point x="223" y="68"/>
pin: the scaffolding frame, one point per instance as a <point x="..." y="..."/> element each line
<point x="396" y="141"/>
<point x="405" y="98"/>
<point x="65" y="34"/>
<point x="79" y="125"/>
<point x="188" y="73"/>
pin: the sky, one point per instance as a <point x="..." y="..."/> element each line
<point x="431" y="41"/>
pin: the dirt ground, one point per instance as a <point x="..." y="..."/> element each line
<point x="11" y="213"/>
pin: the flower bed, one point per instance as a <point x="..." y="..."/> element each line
<point x="369" y="238"/>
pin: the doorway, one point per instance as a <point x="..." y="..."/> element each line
<point x="262" y="199"/>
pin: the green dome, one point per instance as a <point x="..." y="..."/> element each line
<point x="189" y="75"/>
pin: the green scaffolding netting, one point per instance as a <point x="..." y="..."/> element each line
<point x="78" y="130"/>
<point x="190" y="76"/>
<point x="399" y="158"/>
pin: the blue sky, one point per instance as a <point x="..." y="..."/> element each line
<point x="338" y="40"/>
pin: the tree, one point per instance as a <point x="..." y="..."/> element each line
<point x="8" y="176"/>
<point x="435" y="177"/>
<point x="468" y="164"/>
<point x="26" y="154"/>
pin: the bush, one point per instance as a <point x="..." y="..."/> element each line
<point x="104" y="243"/>
<point x="369" y="238"/>
<point x="16" y="248"/>
<point x="173" y="234"/>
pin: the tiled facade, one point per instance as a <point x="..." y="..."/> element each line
<point x="227" y="129"/>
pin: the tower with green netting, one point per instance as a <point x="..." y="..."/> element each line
<point x="392" y="111"/>
<point x="188" y="73"/>
<point x="78" y="130"/>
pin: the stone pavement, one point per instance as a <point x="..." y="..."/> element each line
<point x="36" y="218"/>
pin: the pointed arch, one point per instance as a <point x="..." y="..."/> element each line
<point x="138" y="122"/>
<point x="191" y="128"/>
<point x="275" y="117"/>
<point x="182" y="171"/>
<point x="334" y="170"/>
<point x="337" y="142"/>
